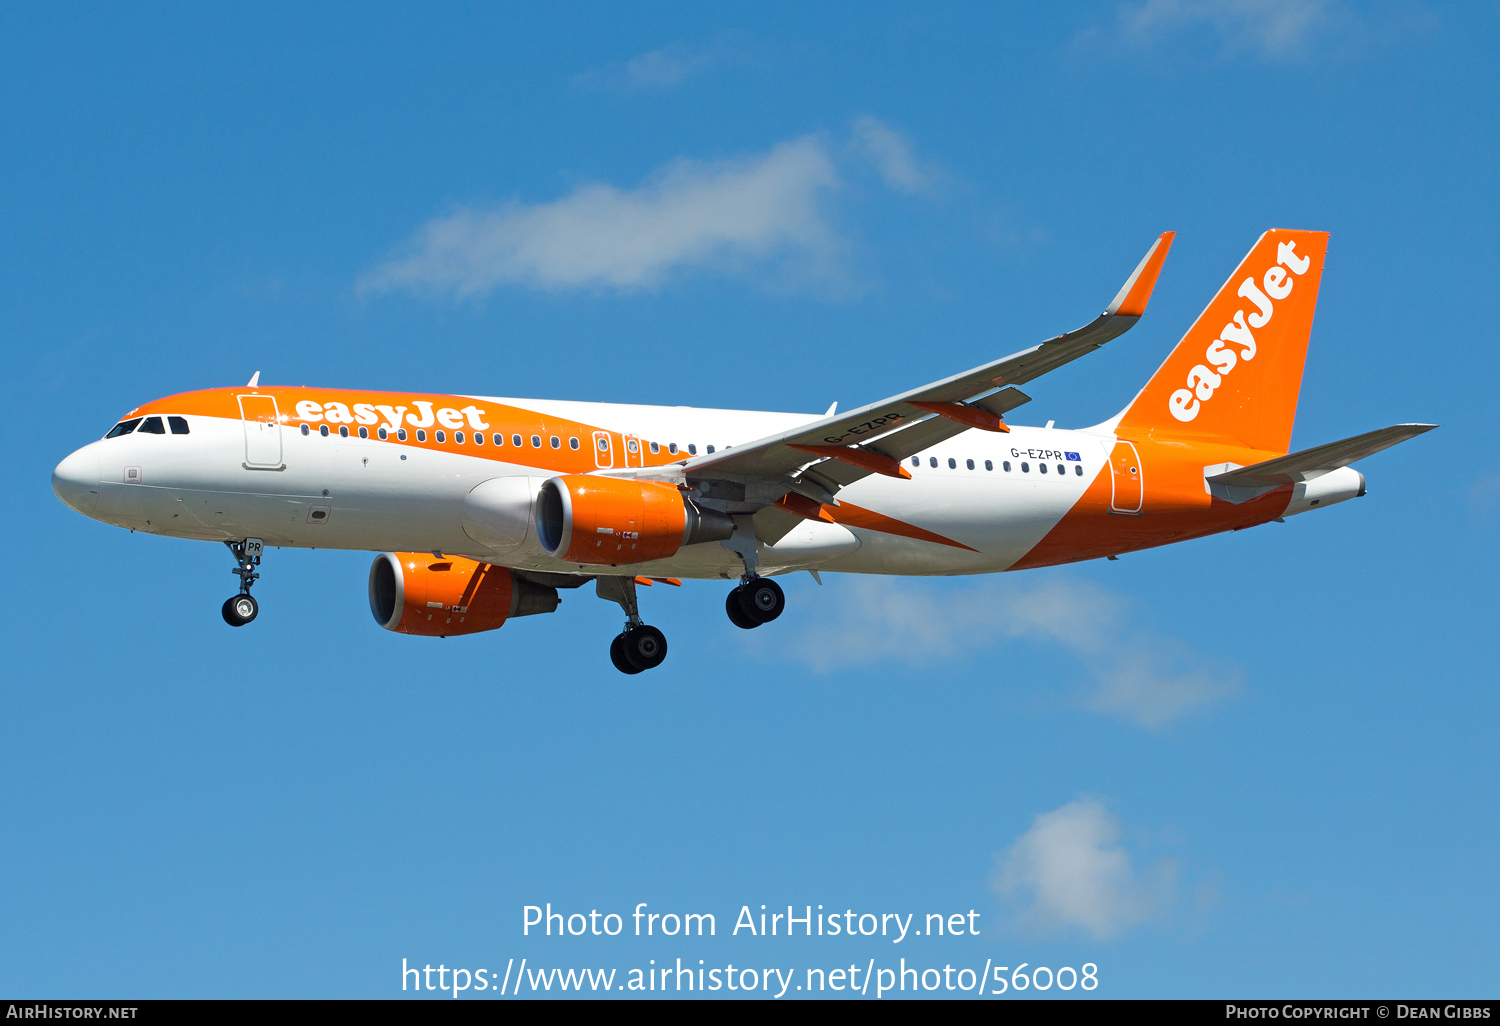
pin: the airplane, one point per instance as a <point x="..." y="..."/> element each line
<point x="482" y="509"/>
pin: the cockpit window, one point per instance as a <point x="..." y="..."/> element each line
<point x="152" y="426"/>
<point x="123" y="428"/>
<point x="178" y="425"/>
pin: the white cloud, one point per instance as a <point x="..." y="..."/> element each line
<point x="892" y="156"/>
<point x="663" y="68"/>
<point x="658" y="70"/>
<point x="1273" y="28"/>
<point x="1485" y="494"/>
<point x="1069" y="872"/>
<point x="1154" y="680"/>
<point x="1138" y="675"/>
<point x="762" y="209"/>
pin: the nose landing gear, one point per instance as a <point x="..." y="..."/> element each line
<point x="756" y="601"/>
<point x="242" y="608"/>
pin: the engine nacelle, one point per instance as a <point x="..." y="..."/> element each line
<point x="418" y="593"/>
<point x="617" y="521"/>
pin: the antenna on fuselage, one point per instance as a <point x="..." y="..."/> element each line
<point x="254" y="380"/>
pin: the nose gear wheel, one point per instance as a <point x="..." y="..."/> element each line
<point x="239" y="610"/>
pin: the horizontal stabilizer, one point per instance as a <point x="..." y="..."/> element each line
<point x="1319" y="460"/>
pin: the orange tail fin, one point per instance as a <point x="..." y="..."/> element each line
<point x="1235" y="375"/>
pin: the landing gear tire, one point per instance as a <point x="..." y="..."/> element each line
<point x="644" y="646"/>
<point x="737" y="612"/>
<point x="617" y="656"/>
<point x="240" y="610"/>
<point x="761" y="599"/>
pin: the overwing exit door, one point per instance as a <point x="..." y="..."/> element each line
<point x="604" y="451"/>
<point x="1125" y="479"/>
<point x="262" y="432"/>
<point x="634" y="456"/>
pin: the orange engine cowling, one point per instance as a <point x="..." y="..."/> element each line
<point x="616" y="521"/>
<point x="419" y="593"/>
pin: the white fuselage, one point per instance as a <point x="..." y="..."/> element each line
<point x="364" y="493"/>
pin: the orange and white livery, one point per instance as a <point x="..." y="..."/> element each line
<point x="485" y="508"/>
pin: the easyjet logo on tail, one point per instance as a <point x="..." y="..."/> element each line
<point x="1275" y="285"/>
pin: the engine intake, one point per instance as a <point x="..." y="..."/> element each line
<point x="615" y="521"/>
<point x="418" y="593"/>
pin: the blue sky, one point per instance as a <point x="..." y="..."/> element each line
<point x="1260" y="764"/>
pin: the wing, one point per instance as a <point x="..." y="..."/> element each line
<point x="817" y="459"/>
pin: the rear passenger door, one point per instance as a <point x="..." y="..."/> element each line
<point x="1125" y="479"/>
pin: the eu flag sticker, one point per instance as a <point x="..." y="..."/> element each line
<point x="1073" y="456"/>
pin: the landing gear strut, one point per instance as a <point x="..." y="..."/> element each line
<point x="639" y="646"/>
<point x="242" y="608"/>
<point x="756" y="601"/>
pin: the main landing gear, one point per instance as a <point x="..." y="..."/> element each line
<point x="639" y="646"/>
<point x="242" y="608"/>
<point x="756" y="601"/>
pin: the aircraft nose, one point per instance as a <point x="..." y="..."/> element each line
<point x="76" y="480"/>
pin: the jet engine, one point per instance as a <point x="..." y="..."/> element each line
<point x="615" y="521"/>
<point x="419" y="593"/>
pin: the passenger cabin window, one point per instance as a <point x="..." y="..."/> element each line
<point x="555" y="442"/>
<point x="1042" y="467"/>
<point x="515" y="440"/>
<point x="364" y="432"/>
<point x="970" y="463"/>
<point x="421" y="435"/>
<point x="1061" y="469"/>
<point x="306" y="430"/>
<point x="536" y="441"/>
<point x="401" y="435"/>
<point x="343" y="430"/>
<point x="672" y="448"/>
<point x="151" y="426"/>
<point x="1025" y="468"/>
<point x="710" y="448"/>
<point x="1078" y="469"/>
<point x="988" y="465"/>
<point x="442" y="436"/>
<point x="932" y="460"/>
<point x="178" y="425"/>
<point x="1006" y="465"/>
<point x="573" y="444"/>
<point x="479" y="438"/>
<point x="655" y="448"/>
<point x="458" y="436"/>
<point x="123" y="428"/>
<point x="692" y="448"/>
<point x="323" y="430"/>
<point x="916" y="461"/>
<point x="383" y="433"/>
<point x="952" y="463"/>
